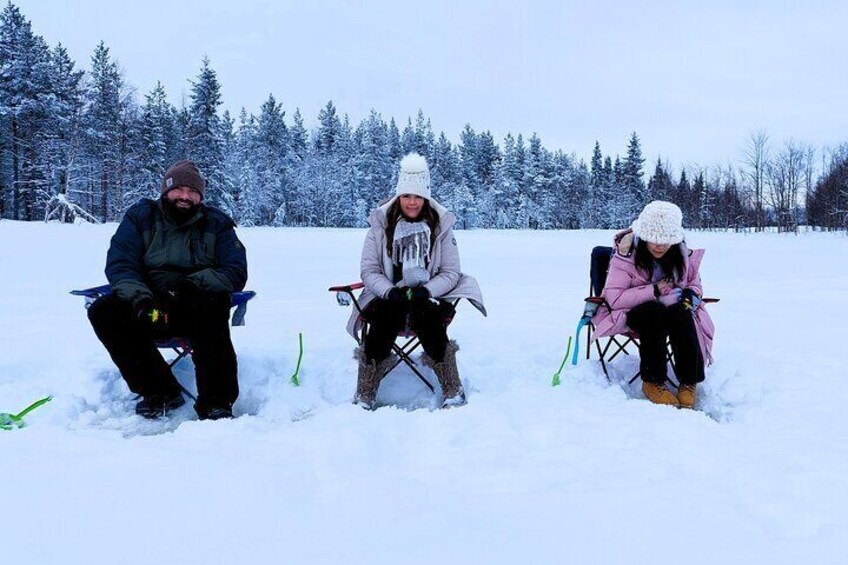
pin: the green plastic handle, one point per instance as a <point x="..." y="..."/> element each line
<point x="33" y="406"/>
<point x="11" y="421"/>
<point x="556" y="380"/>
<point x="294" y="380"/>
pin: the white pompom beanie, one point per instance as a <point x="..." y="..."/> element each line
<point x="414" y="176"/>
<point x="660" y="222"/>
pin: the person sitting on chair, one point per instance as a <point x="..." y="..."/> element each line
<point x="410" y="269"/>
<point x="654" y="288"/>
<point x="172" y="265"/>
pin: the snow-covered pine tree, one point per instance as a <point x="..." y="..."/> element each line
<point x="229" y="172"/>
<point x="103" y="130"/>
<point x="692" y="210"/>
<point x="64" y="140"/>
<point x="395" y="147"/>
<point x="269" y="148"/>
<point x="577" y="185"/>
<point x="424" y="137"/>
<point x="445" y="174"/>
<point x="632" y="176"/>
<point x="205" y="138"/>
<point x="329" y="129"/>
<point x="409" y="139"/>
<point x="159" y="144"/>
<point x="25" y="106"/>
<point x="239" y="165"/>
<point x="596" y="196"/>
<point x="487" y="158"/>
<point x="537" y="182"/>
<point x="660" y="185"/>
<point x="371" y="167"/>
<point x="298" y="139"/>
<point x="466" y="194"/>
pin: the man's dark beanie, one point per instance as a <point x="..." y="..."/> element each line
<point x="183" y="173"/>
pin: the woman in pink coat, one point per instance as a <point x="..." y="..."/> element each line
<point x="654" y="288"/>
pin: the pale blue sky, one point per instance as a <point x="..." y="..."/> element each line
<point x="691" y="78"/>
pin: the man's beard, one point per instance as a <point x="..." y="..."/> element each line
<point x="179" y="215"/>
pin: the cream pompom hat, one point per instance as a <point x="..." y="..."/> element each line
<point x="414" y="176"/>
<point x="660" y="222"/>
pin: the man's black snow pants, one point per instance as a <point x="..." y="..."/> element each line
<point x="204" y="322"/>
<point x="656" y="323"/>
<point x="387" y="318"/>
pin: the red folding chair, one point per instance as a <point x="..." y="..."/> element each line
<point x="345" y="297"/>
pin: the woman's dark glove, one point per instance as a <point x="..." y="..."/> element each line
<point x="690" y="299"/>
<point x="420" y="294"/>
<point x="397" y="295"/>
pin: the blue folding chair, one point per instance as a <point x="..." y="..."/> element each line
<point x="180" y="345"/>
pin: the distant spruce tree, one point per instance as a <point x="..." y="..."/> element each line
<point x="63" y="140"/>
<point x="205" y="138"/>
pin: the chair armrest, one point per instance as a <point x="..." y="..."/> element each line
<point x="239" y="300"/>
<point x="347" y="287"/>
<point x="94" y="292"/>
<point x="344" y="294"/>
<point x="592" y="305"/>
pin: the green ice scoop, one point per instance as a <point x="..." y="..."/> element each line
<point x="12" y="421"/>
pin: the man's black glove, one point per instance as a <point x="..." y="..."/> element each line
<point x="146" y="311"/>
<point x="397" y="295"/>
<point x="187" y="292"/>
<point x="420" y="294"/>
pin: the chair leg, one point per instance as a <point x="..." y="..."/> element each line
<point x="670" y="359"/>
<point x="620" y="347"/>
<point x="411" y="345"/>
<point x="182" y="353"/>
<point x="603" y="363"/>
<point x="403" y="356"/>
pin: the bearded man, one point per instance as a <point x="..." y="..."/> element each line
<point x="172" y="265"/>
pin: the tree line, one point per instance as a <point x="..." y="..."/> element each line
<point x="80" y="144"/>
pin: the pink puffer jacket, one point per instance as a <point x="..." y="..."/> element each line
<point x="627" y="287"/>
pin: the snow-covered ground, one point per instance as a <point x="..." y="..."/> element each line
<point x="526" y="473"/>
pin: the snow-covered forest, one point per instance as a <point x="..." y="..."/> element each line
<point x="84" y="144"/>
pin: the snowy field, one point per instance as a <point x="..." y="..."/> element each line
<point x="526" y="473"/>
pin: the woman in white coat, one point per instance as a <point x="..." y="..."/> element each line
<point x="410" y="268"/>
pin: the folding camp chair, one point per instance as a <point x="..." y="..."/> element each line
<point x="615" y="344"/>
<point x="179" y="345"/>
<point x="345" y="296"/>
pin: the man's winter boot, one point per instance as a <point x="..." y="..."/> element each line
<point x="157" y="405"/>
<point x="448" y="375"/>
<point x="216" y="413"/>
<point x="659" y="393"/>
<point x="368" y="380"/>
<point x="686" y="396"/>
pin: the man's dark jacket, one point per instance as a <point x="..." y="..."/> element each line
<point x="149" y="253"/>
